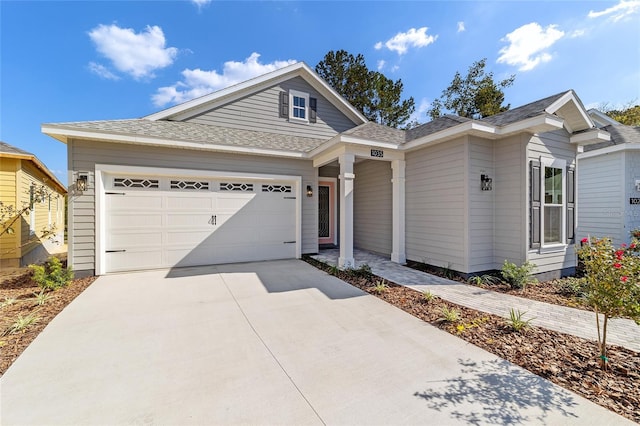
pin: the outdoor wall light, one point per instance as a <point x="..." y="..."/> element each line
<point x="309" y="191"/>
<point x="81" y="182"/>
<point x="486" y="183"/>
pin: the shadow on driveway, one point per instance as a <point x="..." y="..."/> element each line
<point x="503" y="391"/>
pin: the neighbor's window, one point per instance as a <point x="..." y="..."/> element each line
<point x="298" y="102"/>
<point x="553" y="203"/>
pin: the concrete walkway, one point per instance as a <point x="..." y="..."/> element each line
<point x="622" y="332"/>
<point x="265" y="343"/>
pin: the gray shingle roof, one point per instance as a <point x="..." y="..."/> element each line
<point x="440" y="123"/>
<point x="525" y="111"/>
<point x="5" y="148"/>
<point x="197" y="133"/>
<point x="378" y="132"/>
<point x="620" y="134"/>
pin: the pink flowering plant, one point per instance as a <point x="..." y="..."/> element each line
<point x="613" y="284"/>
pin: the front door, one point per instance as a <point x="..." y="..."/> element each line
<point x="326" y="211"/>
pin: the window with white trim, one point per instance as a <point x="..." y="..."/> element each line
<point x="553" y="202"/>
<point x="298" y="103"/>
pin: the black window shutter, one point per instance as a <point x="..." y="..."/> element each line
<point x="313" y="106"/>
<point x="535" y="205"/>
<point x="571" y="205"/>
<point x="284" y="104"/>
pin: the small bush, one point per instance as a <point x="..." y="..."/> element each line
<point x="449" y="315"/>
<point x="42" y="297"/>
<point x="482" y="280"/>
<point x="518" y="276"/>
<point x="517" y="321"/>
<point x="571" y="286"/>
<point x="380" y="287"/>
<point x="8" y="301"/>
<point x="51" y="275"/>
<point x="22" y="323"/>
<point x="427" y="296"/>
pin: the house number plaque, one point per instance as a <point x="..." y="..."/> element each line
<point x="377" y="153"/>
<point x="634" y="200"/>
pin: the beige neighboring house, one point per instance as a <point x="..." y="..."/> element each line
<point x="21" y="173"/>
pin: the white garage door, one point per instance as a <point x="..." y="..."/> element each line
<point x="173" y="222"/>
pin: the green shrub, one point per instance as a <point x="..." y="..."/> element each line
<point x="427" y="296"/>
<point x="517" y="276"/>
<point x="449" y="315"/>
<point x="572" y="286"/>
<point x="380" y="287"/>
<point x="51" y="275"/>
<point x="42" y="298"/>
<point x="486" y="279"/>
<point x="517" y="321"/>
<point x="22" y="323"/>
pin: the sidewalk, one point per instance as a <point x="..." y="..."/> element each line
<point x="621" y="332"/>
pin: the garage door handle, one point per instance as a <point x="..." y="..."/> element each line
<point x="214" y="220"/>
<point x="289" y="242"/>
<point x="115" y="251"/>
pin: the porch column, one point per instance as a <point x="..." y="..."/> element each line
<point x="346" y="211"/>
<point x="398" y="254"/>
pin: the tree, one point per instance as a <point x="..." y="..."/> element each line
<point x="477" y="94"/>
<point x="629" y="114"/>
<point x="372" y="93"/>
<point x="613" y="284"/>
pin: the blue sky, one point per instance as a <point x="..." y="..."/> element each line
<point x="92" y="60"/>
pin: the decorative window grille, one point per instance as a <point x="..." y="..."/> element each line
<point x="190" y="184"/>
<point x="242" y="187"/>
<point x="276" y="188"/>
<point x="136" y="183"/>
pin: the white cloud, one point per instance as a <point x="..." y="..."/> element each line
<point x="201" y="3"/>
<point x="102" y="71"/>
<point x="619" y="11"/>
<point x="419" y="113"/>
<point x="461" y="27"/>
<point x="197" y="82"/>
<point x="528" y="44"/>
<point x="136" y="54"/>
<point x="381" y="64"/>
<point x="402" y="41"/>
<point x="577" y="33"/>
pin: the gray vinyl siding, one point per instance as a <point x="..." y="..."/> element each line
<point x="631" y="212"/>
<point x="372" y="206"/>
<point x="436" y="205"/>
<point x="553" y="145"/>
<point x="84" y="155"/>
<point x="601" y="207"/>
<point x="510" y="213"/>
<point x="481" y="206"/>
<point x="260" y="112"/>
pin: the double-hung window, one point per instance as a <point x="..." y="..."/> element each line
<point x="552" y="204"/>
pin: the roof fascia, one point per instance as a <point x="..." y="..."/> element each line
<point x="570" y="96"/>
<point x="452" y="132"/>
<point x="145" y="140"/>
<point x="600" y="117"/>
<point x="590" y="137"/>
<point x="541" y="121"/>
<point x="39" y="165"/>
<point x="608" y="150"/>
<point x="300" y="69"/>
<point x="369" y="142"/>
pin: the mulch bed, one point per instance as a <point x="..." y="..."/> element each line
<point x="566" y="360"/>
<point x="20" y="287"/>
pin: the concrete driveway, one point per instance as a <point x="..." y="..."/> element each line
<point x="264" y="343"/>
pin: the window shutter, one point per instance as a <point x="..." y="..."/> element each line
<point x="313" y="106"/>
<point x="284" y="104"/>
<point x="571" y="205"/>
<point x="535" y="204"/>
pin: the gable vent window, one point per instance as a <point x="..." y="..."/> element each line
<point x="276" y="188"/>
<point x="136" y="183"/>
<point x="298" y="106"/>
<point x="189" y="184"/>
<point x="238" y="187"/>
